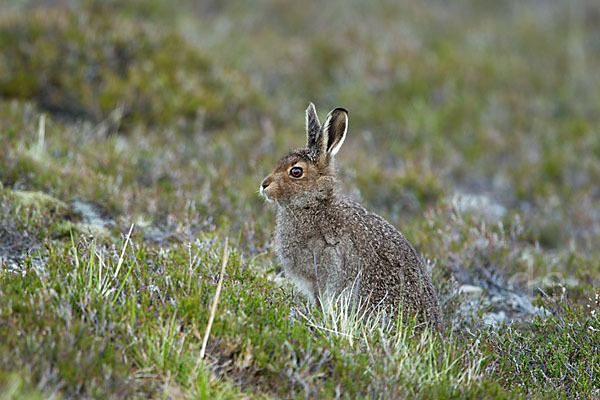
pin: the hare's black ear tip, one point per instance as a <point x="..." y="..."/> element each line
<point x="341" y="109"/>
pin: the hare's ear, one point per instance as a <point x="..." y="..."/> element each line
<point x="334" y="130"/>
<point x="314" y="136"/>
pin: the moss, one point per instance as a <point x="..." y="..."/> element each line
<point x="16" y="385"/>
<point x="39" y="201"/>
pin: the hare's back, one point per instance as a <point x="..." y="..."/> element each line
<point x="392" y="268"/>
<point x="374" y="235"/>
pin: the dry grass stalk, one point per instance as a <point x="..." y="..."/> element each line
<point x="213" y="308"/>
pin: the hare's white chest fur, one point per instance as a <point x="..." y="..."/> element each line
<point x="311" y="260"/>
<point x="304" y="285"/>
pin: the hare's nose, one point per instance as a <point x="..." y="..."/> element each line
<point x="266" y="182"/>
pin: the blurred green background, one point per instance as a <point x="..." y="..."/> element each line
<point x="494" y="99"/>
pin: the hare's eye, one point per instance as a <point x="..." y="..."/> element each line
<point x="296" y="172"/>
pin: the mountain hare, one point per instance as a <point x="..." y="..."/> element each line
<point x="327" y="242"/>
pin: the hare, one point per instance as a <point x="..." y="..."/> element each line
<point x="327" y="243"/>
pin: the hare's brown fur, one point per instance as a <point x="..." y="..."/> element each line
<point x="327" y="242"/>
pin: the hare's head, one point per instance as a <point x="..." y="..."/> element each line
<point x="305" y="176"/>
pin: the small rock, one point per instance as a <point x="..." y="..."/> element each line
<point x="88" y="213"/>
<point x="479" y="204"/>
<point x="470" y="290"/>
<point x="495" y="318"/>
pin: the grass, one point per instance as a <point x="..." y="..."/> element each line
<point x="135" y="135"/>
<point x="560" y="355"/>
